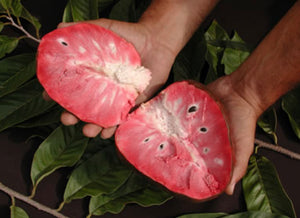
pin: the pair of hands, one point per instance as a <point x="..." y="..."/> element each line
<point x="158" y="57"/>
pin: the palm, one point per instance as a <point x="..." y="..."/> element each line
<point x="241" y="120"/>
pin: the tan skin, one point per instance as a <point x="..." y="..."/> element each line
<point x="271" y="70"/>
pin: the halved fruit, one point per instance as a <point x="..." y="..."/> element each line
<point x="179" y="139"/>
<point x="91" y="72"/>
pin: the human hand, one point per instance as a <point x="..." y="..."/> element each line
<point x="241" y="119"/>
<point x="155" y="55"/>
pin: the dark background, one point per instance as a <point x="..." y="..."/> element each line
<point x="252" y="19"/>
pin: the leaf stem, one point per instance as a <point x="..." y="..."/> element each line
<point x="277" y="148"/>
<point x="31" y="202"/>
<point x="20" y="27"/>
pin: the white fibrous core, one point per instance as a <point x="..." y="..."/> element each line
<point x="137" y="76"/>
<point x="164" y="119"/>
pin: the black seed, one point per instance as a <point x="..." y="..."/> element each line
<point x="203" y="129"/>
<point x="161" y="146"/>
<point x="192" y="109"/>
<point x="205" y="150"/>
<point x="146" y="140"/>
<point x="64" y="43"/>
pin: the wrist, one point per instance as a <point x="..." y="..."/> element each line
<point x="173" y="22"/>
<point x="246" y="90"/>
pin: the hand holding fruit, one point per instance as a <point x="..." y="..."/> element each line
<point x="157" y="37"/>
<point x="245" y="94"/>
<point x="155" y="55"/>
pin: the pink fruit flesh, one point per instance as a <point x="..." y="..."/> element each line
<point x="179" y="139"/>
<point x="91" y="72"/>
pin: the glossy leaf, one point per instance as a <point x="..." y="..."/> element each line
<point x="63" y="148"/>
<point x="234" y="55"/>
<point x="15" y="71"/>
<point x="268" y="123"/>
<point x="80" y="10"/>
<point x="136" y="190"/>
<point x="190" y="61"/>
<point x="214" y="52"/>
<point x="7" y="45"/>
<point x="101" y="173"/>
<point x="23" y="104"/>
<point x="50" y="117"/>
<point x="263" y="190"/>
<point x="16" y="8"/>
<point x="203" y="215"/>
<point x="291" y="105"/>
<point x="255" y="214"/>
<point x="248" y="214"/>
<point x="17" y="212"/>
<point x="25" y="14"/>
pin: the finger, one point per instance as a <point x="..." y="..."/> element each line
<point x="108" y="132"/>
<point x="237" y="174"/>
<point x="68" y="118"/>
<point x="91" y="130"/>
<point x="240" y="165"/>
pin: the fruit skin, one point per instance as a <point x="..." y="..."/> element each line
<point x="180" y="139"/>
<point x="91" y="72"/>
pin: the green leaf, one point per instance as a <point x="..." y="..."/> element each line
<point x="124" y="10"/>
<point x="203" y="215"/>
<point x="50" y="117"/>
<point x="101" y="173"/>
<point x="25" y="14"/>
<point x="214" y="51"/>
<point x="291" y="104"/>
<point x="215" y="33"/>
<point x="67" y="15"/>
<point x="255" y="214"/>
<point x="16" y="8"/>
<point x="17" y="212"/>
<point x="263" y="190"/>
<point x="7" y="45"/>
<point x="1" y="26"/>
<point x="234" y="56"/>
<point x="6" y="4"/>
<point x="268" y="122"/>
<point x="190" y="61"/>
<point x="81" y="10"/>
<point x="23" y="104"/>
<point x="63" y="148"/>
<point x="249" y="214"/>
<point x="15" y="71"/>
<point x="136" y="190"/>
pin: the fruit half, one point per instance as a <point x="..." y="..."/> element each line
<point x="91" y="72"/>
<point x="179" y="139"/>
